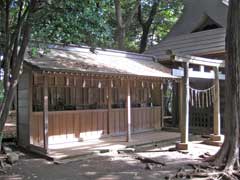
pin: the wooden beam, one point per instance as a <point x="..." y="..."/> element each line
<point x="198" y="60"/>
<point x="45" y="112"/>
<point x="216" y="107"/>
<point x="128" y="110"/>
<point x="197" y="74"/>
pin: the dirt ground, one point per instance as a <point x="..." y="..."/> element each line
<point x="108" y="166"/>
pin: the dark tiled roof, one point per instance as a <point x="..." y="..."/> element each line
<point x="199" y="43"/>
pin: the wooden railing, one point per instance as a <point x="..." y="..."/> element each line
<point x="70" y="126"/>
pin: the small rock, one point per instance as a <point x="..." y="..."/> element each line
<point x="7" y="150"/>
<point x="12" y="157"/>
<point x="188" y="176"/>
<point x="167" y="177"/>
<point x="149" y="166"/>
<point x="172" y="149"/>
<point x="57" y="162"/>
<point x="127" y="150"/>
<point x="104" y="151"/>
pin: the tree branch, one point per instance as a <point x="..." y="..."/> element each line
<point x="140" y="19"/>
<point x="133" y="12"/>
<point x="153" y="12"/>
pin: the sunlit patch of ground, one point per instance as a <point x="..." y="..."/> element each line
<point x="110" y="166"/>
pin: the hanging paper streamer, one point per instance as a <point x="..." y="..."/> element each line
<point x="206" y="96"/>
<point x="84" y="84"/>
<point x="152" y="86"/>
<point x="111" y="84"/>
<point x="99" y="84"/>
<point x="202" y="98"/>
<point x="203" y="103"/>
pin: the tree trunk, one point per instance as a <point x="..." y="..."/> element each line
<point x="229" y="153"/>
<point x="121" y="34"/>
<point x="123" y="25"/>
<point x="146" y="25"/>
<point x="144" y="40"/>
<point x="15" y="47"/>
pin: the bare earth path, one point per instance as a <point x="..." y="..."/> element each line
<point x="108" y="166"/>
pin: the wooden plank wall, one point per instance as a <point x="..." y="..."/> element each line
<point x="36" y="129"/>
<point x="86" y="121"/>
<point x="72" y="126"/>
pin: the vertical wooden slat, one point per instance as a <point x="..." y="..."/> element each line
<point x="109" y="106"/>
<point x="45" y="113"/>
<point x="162" y="105"/>
<point x="76" y="125"/>
<point x="128" y="111"/>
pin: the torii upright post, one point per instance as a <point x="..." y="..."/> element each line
<point x="216" y="136"/>
<point x="184" y="124"/>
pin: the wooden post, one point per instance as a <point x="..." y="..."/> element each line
<point x="184" y="125"/>
<point x="128" y="110"/>
<point x="45" y="113"/>
<point x="109" y="106"/>
<point x="180" y="102"/>
<point x="163" y="105"/>
<point x="216" y="136"/>
<point x="217" y="127"/>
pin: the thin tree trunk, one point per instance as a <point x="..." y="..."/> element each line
<point x="146" y="25"/>
<point x="14" y="54"/>
<point x="144" y="40"/>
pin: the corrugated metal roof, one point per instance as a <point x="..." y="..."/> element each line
<point x="199" y="43"/>
<point x="78" y="59"/>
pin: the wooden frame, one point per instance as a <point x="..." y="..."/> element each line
<point x="52" y="127"/>
<point x="184" y="103"/>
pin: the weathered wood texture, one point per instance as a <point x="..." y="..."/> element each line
<point x="70" y="126"/>
<point x="82" y="108"/>
<point x="185" y="106"/>
<point x="36" y="129"/>
<point x="24" y="108"/>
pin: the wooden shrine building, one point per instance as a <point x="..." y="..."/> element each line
<point x="72" y="94"/>
<point x="195" y="50"/>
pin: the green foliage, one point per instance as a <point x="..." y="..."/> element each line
<point x="93" y="22"/>
<point x="168" y="13"/>
<point x="74" y="21"/>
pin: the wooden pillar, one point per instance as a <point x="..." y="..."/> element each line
<point x="128" y="111"/>
<point x="216" y="116"/>
<point x="45" y="113"/>
<point x="216" y="136"/>
<point x="184" y="125"/>
<point x="162" y="104"/>
<point x="109" y="106"/>
<point x="180" y="102"/>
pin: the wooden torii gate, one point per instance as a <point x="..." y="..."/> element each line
<point x="184" y="95"/>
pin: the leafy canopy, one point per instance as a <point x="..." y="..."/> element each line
<point x="93" y="22"/>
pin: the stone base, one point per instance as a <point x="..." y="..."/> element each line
<point x="214" y="140"/>
<point x="181" y="146"/>
<point x="213" y="143"/>
<point x="214" y="137"/>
